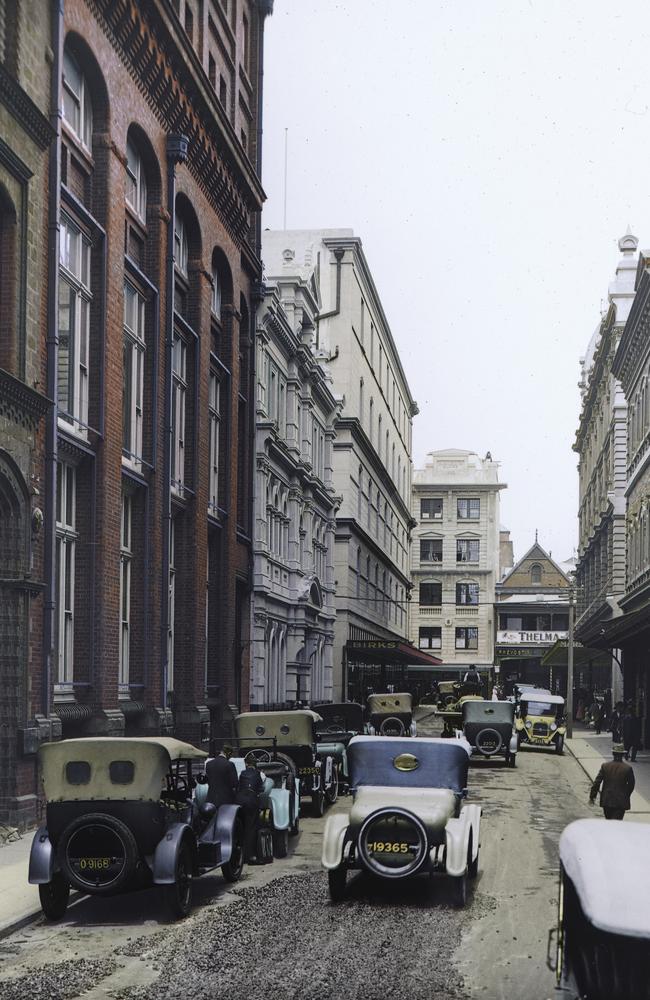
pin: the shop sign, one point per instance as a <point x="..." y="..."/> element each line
<point x="534" y="638"/>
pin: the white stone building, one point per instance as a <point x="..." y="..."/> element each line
<point x="295" y="501"/>
<point x="455" y="557"/>
<point x="371" y="459"/>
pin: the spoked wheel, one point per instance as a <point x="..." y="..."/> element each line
<point x="318" y="802"/>
<point x="179" y="893"/>
<point x="54" y="896"/>
<point x="336" y="879"/>
<point x="332" y="792"/>
<point x="280" y="843"/>
<point x="232" y="869"/>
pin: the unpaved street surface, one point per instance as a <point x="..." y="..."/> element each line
<point x="275" y="934"/>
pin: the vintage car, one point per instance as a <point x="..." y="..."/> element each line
<point x="541" y="720"/>
<point x="340" y="722"/>
<point x="120" y="816"/>
<point x="602" y="939"/>
<point x="489" y="728"/>
<point x="450" y="706"/>
<point x="290" y="737"/>
<point x="406" y="816"/>
<point x="391" y="715"/>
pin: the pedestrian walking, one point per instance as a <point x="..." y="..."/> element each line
<point x="631" y="732"/>
<point x="616" y="723"/>
<point x="597" y="716"/>
<point x="617" y="780"/>
<point x="222" y="778"/>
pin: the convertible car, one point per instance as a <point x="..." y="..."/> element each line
<point x="391" y="715"/>
<point x="406" y="816"/>
<point x="340" y="722"/>
<point x="489" y="728"/>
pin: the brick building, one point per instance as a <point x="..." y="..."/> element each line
<point x="154" y="183"/>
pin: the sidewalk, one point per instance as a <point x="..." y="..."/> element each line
<point x="591" y="750"/>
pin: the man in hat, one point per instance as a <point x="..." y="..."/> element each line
<point x="617" y="779"/>
<point x="222" y="778"/>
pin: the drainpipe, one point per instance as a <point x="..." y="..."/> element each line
<point x="52" y="347"/>
<point x="176" y="153"/>
<point x="339" y="253"/>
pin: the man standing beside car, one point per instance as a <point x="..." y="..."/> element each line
<point x="251" y="786"/>
<point x="617" y="780"/>
<point x="222" y="779"/>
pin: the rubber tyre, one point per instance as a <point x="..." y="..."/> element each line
<point x="178" y="895"/>
<point x="131" y="852"/>
<point x="512" y="760"/>
<point x="232" y="870"/>
<point x="499" y="743"/>
<point x="294" y="830"/>
<point x="559" y="745"/>
<point x="336" y="880"/>
<point x="280" y="843"/>
<point x="318" y="803"/>
<point x="332" y="793"/>
<point x="395" y="722"/>
<point x="459" y="890"/>
<point x="54" y="896"/>
<point x="472" y="865"/>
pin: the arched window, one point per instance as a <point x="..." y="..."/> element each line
<point x="215" y="303"/>
<point x="136" y="182"/>
<point x="8" y="284"/>
<point x="535" y="573"/>
<point x="77" y="106"/>
<point x="180" y="244"/>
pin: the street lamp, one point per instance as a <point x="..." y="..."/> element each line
<point x="569" y="672"/>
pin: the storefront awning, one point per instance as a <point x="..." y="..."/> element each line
<point x="387" y="652"/>
<point x="558" y="655"/>
<point x="616" y="630"/>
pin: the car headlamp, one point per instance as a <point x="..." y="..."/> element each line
<point x="529" y="724"/>
<point x="553" y="726"/>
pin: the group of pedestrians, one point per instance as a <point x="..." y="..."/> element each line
<point x="615" y="779"/>
<point x="225" y="787"/>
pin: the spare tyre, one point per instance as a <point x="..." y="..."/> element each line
<point x="488" y="741"/>
<point x="97" y="853"/>
<point x="392" y="726"/>
<point x="393" y="843"/>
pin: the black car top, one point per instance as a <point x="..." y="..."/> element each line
<point x="489" y="712"/>
<point x="347" y="716"/>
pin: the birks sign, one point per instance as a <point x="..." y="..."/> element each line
<point x="529" y="638"/>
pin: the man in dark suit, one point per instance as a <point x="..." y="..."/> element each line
<point x="222" y="779"/>
<point x="617" y="779"/>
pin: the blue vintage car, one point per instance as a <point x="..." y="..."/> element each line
<point x="407" y="815"/>
<point x="340" y="722"/>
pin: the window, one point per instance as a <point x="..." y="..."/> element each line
<point x="223" y="92"/>
<point x="535" y="573"/>
<point x="245" y="43"/>
<point x="431" y="550"/>
<point x="136" y="185"/>
<point x="74" y="325"/>
<point x="430" y="638"/>
<point x="216" y="293"/>
<point x="180" y="244"/>
<point x="133" y="374"/>
<point x="121" y="772"/>
<point x="171" y="605"/>
<point x="468" y="509"/>
<point x="466" y="638"/>
<point x="126" y="555"/>
<point x="430" y="595"/>
<point x="77" y="772"/>
<point x="66" y="536"/>
<point x="430" y="508"/>
<point x="77" y="108"/>
<point x="467" y="593"/>
<point x="179" y="392"/>
<point x="467" y="549"/>
<point x="214" y="396"/>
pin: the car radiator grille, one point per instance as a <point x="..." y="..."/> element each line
<point x="540" y="729"/>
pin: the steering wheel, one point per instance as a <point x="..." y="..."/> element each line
<point x="261" y="756"/>
<point x="335" y="729"/>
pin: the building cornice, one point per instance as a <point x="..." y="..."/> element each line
<point x="21" y="106"/>
<point x="31" y="403"/>
<point x="633" y="346"/>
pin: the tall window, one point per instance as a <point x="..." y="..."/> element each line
<point x="467" y="549"/>
<point x="216" y="293"/>
<point x="126" y="555"/>
<point x="136" y="184"/>
<point x="379" y="441"/>
<point x="466" y="638"/>
<point x="77" y="108"/>
<point x="430" y="638"/>
<point x="214" y="416"/>
<point x="431" y="550"/>
<point x="74" y="324"/>
<point x="468" y="508"/>
<point x="430" y="595"/>
<point x="133" y="374"/>
<point x="536" y="573"/>
<point x="179" y="393"/>
<point x="467" y="593"/>
<point x="181" y="251"/>
<point x="171" y="606"/>
<point x="431" y="508"/>
<point x="66" y="536"/>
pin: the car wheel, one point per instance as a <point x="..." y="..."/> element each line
<point x="93" y="836"/>
<point x="179" y="893"/>
<point x="232" y="869"/>
<point x="459" y="889"/>
<point x="559" y="745"/>
<point x="332" y="793"/>
<point x="472" y="863"/>
<point x="512" y="760"/>
<point x="280" y="843"/>
<point x="488" y="742"/>
<point x="54" y="896"/>
<point x="318" y="802"/>
<point x="336" y="879"/>
<point x="294" y="829"/>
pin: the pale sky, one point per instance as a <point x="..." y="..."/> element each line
<point x="489" y="153"/>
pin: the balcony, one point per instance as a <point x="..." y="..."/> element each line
<point x="430" y="612"/>
<point x="465" y="612"/>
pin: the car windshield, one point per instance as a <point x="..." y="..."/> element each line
<point x="540" y="708"/>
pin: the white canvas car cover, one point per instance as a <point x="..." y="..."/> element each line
<point x="609" y="865"/>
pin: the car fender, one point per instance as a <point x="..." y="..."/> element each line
<point x="514" y="743"/>
<point x="226" y="818"/>
<point x="42" y="861"/>
<point x="457" y="832"/>
<point x="336" y="827"/>
<point x="414" y="728"/>
<point x="280" y="801"/>
<point x="164" y="859"/>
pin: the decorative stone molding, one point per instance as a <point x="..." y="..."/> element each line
<point x="24" y="110"/>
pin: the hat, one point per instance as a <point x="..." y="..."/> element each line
<point x="617" y="750"/>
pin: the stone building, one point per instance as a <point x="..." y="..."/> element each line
<point x="455" y="558"/>
<point x="601" y="443"/>
<point x="26" y="134"/>
<point x="295" y="502"/>
<point x="154" y="272"/>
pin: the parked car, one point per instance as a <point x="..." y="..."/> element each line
<point x="452" y="695"/>
<point x="391" y="715"/>
<point x="291" y="737"/>
<point x="489" y="728"/>
<point x="406" y="816"/>
<point x="602" y="939"/>
<point x="120" y="816"/>
<point x="541" y="720"/>
<point x="340" y="722"/>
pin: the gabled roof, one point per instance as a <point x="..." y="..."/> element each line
<point x="538" y="554"/>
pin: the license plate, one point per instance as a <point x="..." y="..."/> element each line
<point x="389" y="847"/>
<point x="309" y="770"/>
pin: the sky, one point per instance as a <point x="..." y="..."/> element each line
<point x="489" y="153"/>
